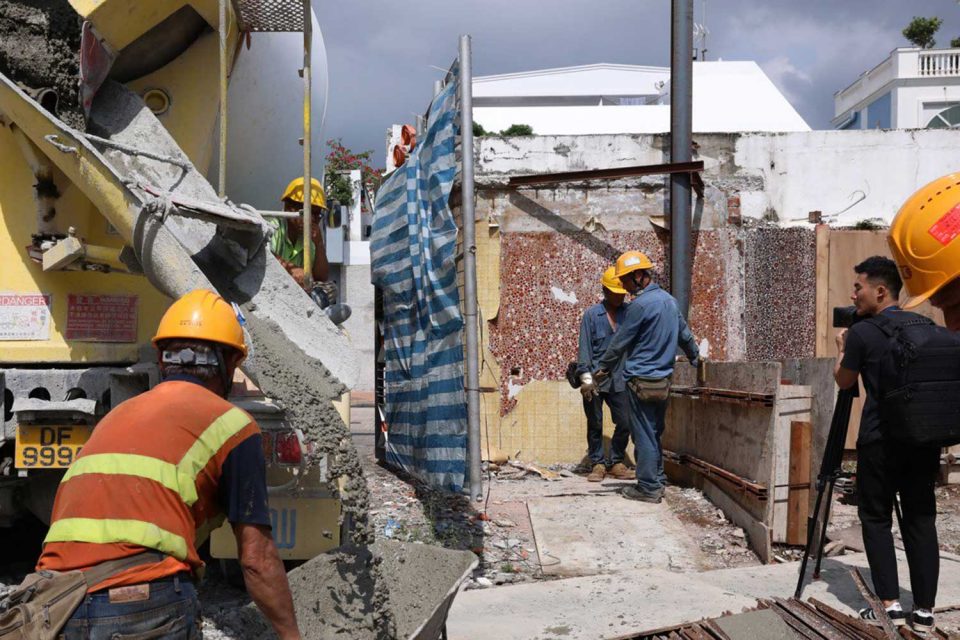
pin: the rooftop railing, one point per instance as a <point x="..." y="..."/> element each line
<point x="939" y="63"/>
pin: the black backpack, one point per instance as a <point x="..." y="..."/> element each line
<point x="919" y="380"/>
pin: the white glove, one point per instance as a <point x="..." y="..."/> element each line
<point x="588" y="388"/>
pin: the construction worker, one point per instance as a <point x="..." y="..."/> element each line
<point x="287" y="240"/>
<point x="647" y="339"/>
<point x="886" y="467"/>
<point x="597" y="327"/>
<point x="158" y="474"/>
<point x="923" y="243"/>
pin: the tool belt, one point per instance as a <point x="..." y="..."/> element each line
<point x="40" y="606"/>
<point x="649" y="390"/>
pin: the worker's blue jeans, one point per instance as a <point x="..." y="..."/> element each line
<point x="646" y="425"/>
<point x="172" y="612"/>
<point x="619" y="405"/>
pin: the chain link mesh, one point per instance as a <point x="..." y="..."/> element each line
<point x="270" y="15"/>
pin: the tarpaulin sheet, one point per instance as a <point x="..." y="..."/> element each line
<point x="413" y="262"/>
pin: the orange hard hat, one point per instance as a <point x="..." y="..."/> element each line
<point x="631" y="261"/>
<point x="202" y="315"/>
<point x="924" y="238"/>
<point x="611" y="281"/>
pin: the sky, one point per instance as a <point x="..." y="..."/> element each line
<point x="382" y="55"/>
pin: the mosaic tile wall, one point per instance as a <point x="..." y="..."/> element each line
<point x="781" y="291"/>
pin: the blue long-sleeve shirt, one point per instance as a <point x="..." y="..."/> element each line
<point x="595" y="336"/>
<point x="647" y="340"/>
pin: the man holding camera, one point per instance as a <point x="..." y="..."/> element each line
<point x="885" y="467"/>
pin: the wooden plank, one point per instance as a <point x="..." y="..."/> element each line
<point x="823" y="318"/>
<point x="793" y="403"/>
<point x="886" y="624"/>
<point x="798" y="504"/>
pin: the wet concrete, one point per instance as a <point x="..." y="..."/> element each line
<point x="40" y="49"/>
<point x="757" y="625"/>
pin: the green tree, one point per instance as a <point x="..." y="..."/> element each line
<point x="341" y="159"/>
<point x="517" y="130"/>
<point x="955" y="43"/>
<point x="920" y="31"/>
<point x="478" y="130"/>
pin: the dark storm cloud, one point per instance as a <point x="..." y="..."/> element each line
<point x="381" y="53"/>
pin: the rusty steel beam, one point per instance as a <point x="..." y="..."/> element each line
<point x="814" y="621"/>
<point x="608" y="174"/>
<point x="711" y="470"/>
<point x="852" y="624"/>
<point x="726" y="395"/>
<point x="886" y="624"/>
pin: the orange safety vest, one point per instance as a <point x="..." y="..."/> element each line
<point x="147" y="478"/>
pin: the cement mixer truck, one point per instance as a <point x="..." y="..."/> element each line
<point x="111" y="119"/>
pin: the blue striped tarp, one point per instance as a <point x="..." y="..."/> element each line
<point x="413" y="262"/>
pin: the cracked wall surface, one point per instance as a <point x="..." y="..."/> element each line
<point x="541" y="252"/>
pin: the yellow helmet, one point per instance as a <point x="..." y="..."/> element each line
<point x="611" y="281"/>
<point x="631" y="261"/>
<point x="202" y="315"/>
<point x="924" y="240"/>
<point x="294" y="192"/>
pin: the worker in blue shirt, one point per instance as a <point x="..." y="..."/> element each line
<point x="652" y="329"/>
<point x="596" y="329"/>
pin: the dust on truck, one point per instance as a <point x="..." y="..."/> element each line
<point x="103" y="217"/>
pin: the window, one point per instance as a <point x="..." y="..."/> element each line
<point x="949" y="118"/>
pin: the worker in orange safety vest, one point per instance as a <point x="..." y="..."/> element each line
<point x="159" y="473"/>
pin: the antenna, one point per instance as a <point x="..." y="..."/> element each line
<point x="700" y="31"/>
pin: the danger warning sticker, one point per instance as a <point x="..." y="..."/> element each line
<point x="24" y="316"/>
<point x="947" y="227"/>
<point x="96" y="318"/>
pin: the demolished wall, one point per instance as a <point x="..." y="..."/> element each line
<point x="754" y="287"/>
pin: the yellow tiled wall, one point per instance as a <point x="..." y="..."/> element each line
<point x="547" y="425"/>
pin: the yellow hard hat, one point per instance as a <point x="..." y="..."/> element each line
<point x="631" y="261"/>
<point x="202" y="315"/>
<point x="294" y="191"/>
<point x="611" y="281"/>
<point x="924" y="240"/>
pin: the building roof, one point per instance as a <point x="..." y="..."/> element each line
<point x="614" y="98"/>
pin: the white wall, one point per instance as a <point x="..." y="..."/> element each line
<point x="910" y="108"/>
<point x="857" y="174"/>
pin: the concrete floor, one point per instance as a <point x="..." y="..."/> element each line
<point x="619" y="604"/>
<point x="586" y="535"/>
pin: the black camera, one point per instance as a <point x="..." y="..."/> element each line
<point x="846" y="317"/>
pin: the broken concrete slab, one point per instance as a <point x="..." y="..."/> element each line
<point x="615" y="605"/>
<point x="591" y="607"/>
<point x="587" y="535"/>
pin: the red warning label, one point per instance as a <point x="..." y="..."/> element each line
<point x="93" y="318"/>
<point x="947" y="228"/>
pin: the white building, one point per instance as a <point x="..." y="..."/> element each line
<point x="618" y="98"/>
<point x="911" y="89"/>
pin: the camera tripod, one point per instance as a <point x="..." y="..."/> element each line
<point x="827" y="479"/>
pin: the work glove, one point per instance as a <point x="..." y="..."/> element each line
<point x="588" y="388"/>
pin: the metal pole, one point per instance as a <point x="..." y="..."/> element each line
<point x="222" y="178"/>
<point x="470" y="268"/>
<point x="307" y="107"/>
<point x="681" y="124"/>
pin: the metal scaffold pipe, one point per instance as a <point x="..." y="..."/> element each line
<point x="470" y="314"/>
<point x="223" y="31"/>
<point x="681" y="125"/>
<point x="307" y="110"/>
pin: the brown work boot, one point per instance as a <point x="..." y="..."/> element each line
<point x="620" y="472"/>
<point x="598" y="473"/>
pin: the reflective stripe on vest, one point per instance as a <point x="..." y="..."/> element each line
<point x="131" y="464"/>
<point x="107" y="531"/>
<point x="180" y="478"/>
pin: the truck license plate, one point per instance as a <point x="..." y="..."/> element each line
<point x="49" y="447"/>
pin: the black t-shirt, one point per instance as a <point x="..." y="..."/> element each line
<point x="243" y="484"/>
<point x="865" y="346"/>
